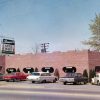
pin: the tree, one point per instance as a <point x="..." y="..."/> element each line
<point x="18" y="70"/>
<point x="85" y="73"/>
<point x="94" y="40"/>
<point x="56" y="73"/>
<point x="35" y="49"/>
<point x="36" y="69"/>
<point x="91" y="74"/>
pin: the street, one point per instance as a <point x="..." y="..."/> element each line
<point x="48" y="91"/>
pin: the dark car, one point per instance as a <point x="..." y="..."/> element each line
<point x="1" y="76"/>
<point x="17" y="76"/>
<point x="75" y="78"/>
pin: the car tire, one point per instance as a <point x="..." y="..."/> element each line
<point x="64" y="83"/>
<point x="98" y="83"/>
<point x="85" y="82"/>
<point x="54" y="81"/>
<point x="44" y="81"/>
<point x="92" y="83"/>
<point x="75" y="83"/>
<point x="33" y="81"/>
<point x="13" y="80"/>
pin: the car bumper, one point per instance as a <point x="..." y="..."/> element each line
<point x="35" y="80"/>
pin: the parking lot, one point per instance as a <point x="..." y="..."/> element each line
<point x="26" y="90"/>
<point x="57" y="85"/>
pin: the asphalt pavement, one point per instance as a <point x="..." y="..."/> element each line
<point x="48" y="91"/>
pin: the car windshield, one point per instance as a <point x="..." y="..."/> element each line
<point x="70" y="75"/>
<point x="36" y="74"/>
<point x="11" y="74"/>
<point x="73" y="75"/>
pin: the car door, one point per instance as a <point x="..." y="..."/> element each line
<point x="43" y="77"/>
<point x="95" y="79"/>
<point x="1" y="76"/>
<point x="18" y="76"/>
<point x="22" y="76"/>
<point x="48" y="77"/>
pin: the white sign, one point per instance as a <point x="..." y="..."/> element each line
<point x="8" y="46"/>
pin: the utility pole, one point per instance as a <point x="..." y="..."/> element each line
<point x="44" y="47"/>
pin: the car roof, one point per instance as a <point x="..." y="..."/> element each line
<point x="40" y="72"/>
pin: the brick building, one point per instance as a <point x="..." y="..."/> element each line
<point x="81" y="60"/>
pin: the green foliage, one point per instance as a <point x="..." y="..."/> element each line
<point x="18" y="70"/>
<point x="36" y="69"/>
<point x="56" y="73"/>
<point x="85" y="73"/>
<point x="91" y="74"/>
<point x="94" y="40"/>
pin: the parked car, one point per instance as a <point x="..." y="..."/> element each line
<point x="1" y="76"/>
<point x="96" y="79"/>
<point x="75" y="78"/>
<point x="16" y="76"/>
<point x="41" y="77"/>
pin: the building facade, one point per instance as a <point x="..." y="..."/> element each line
<point x="81" y="60"/>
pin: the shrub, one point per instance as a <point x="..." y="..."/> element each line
<point x="85" y="73"/>
<point x="91" y="74"/>
<point x="18" y="70"/>
<point x="56" y="73"/>
<point x="36" y="69"/>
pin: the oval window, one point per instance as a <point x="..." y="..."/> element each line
<point x="48" y="69"/>
<point x="28" y="70"/>
<point x="10" y="70"/>
<point x="69" y="69"/>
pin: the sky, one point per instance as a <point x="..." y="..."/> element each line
<point x="61" y="23"/>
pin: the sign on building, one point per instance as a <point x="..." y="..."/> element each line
<point x="8" y="46"/>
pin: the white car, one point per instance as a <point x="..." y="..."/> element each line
<point x="96" y="79"/>
<point x="41" y="77"/>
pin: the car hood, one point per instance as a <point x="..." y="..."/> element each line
<point x="32" y="77"/>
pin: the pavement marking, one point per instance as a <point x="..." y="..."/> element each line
<point x="49" y="93"/>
